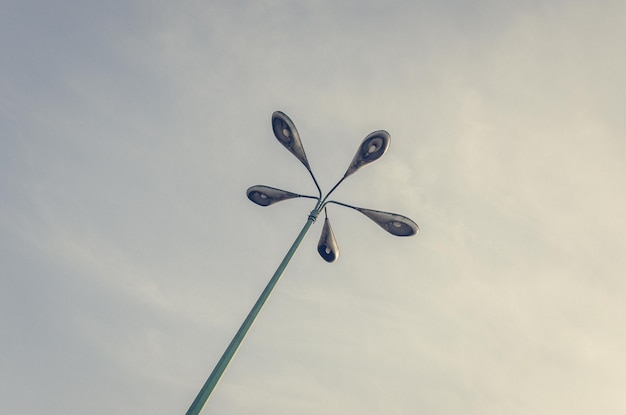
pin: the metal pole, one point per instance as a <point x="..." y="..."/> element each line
<point x="219" y="369"/>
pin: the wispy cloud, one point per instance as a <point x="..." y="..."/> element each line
<point x="131" y="255"/>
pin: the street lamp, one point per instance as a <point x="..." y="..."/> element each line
<point x="371" y="149"/>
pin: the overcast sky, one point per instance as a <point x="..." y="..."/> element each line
<point x="129" y="254"/>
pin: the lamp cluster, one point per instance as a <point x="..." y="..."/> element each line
<point x="371" y="149"/>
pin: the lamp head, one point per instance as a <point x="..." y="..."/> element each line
<point x="285" y="131"/>
<point x="327" y="246"/>
<point x="265" y="195"/>
<point x="372" y="148"/>
<point x="393" y="223"/>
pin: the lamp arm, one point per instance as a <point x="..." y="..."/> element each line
<point x="323" y="201"/>
<point x="319" y="190"/>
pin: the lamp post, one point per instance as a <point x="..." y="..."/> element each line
<point x="371" y="149"/>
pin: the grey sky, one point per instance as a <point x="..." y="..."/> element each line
<point x="129" y="253"/>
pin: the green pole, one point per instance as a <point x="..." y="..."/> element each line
<point x="219" y="369"/>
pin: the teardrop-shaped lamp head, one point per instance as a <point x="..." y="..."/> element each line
<point x="393" y="223"/>
<point x="265" y="195"/>
<point x="285" y="131"/>
<point x="327" y="246"/>
<point x="372" y="148"/>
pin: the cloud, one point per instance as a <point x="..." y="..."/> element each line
<point x="132" y="255"/>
